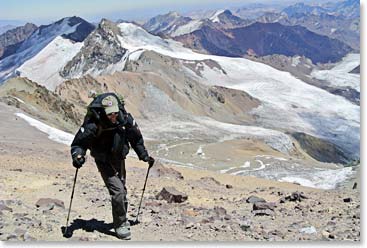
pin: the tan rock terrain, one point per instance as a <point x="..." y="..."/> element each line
<point x="218" y="206"/>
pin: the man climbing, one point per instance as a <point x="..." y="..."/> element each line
<point x="107" y="131"/>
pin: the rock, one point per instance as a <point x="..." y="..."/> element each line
<point x="159" y="170"/>
<point x="4" y="207"/>
<point x="296" y="196"/>
<point x="11" y="237"/>
<point x="266" y="212"/>
<point x="264" y="206"/>
<point x="209" y="181"/>
<point x="48" y="202"/>
<point x="245" y="224"/>
<point x="28" y="237"/>
<point x="189" y="225"/>
<point x="83" y="238"/>
<point x="170" y="194"/>
<point x="19" y="231"/>
<point x="325" y="234"/>
<point x="220" y="211"/>
<point x="254" y="199"/>
<point x="347" y="199"/>
<point x="228" y="186"/>
<point x="190" y="212"/>
<point x="308" y="230"/>
<point x="354" y="185"/>
<point x="227" y="217"/>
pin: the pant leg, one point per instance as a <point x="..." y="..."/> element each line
<point x="115" y="184"/>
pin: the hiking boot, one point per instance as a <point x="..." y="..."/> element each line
<point x="123" y="231"/>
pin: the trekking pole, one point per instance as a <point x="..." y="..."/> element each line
<point x="141" y="199"/>
<point x="71" y="200"/>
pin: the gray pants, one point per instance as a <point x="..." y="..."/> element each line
<point x="114" y="177"/>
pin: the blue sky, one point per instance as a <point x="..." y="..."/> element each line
<point x="45" y="11"/>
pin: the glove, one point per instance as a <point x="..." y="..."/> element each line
<point x="149" y="160"/>
<point x="78" y="156"/>
<point x="78" y="161"/>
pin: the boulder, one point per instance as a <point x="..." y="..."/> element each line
<point x="170" y="194"/>
<point x="49" y="203"/>
<point x="295" y="196"/>
<point x="254" y="199"/>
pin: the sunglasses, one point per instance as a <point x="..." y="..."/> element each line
<point x="113" y="113"/>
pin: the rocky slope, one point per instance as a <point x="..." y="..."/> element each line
<point x="201" y="206"/>
<point x="11" y="39"/>
<point x="266" y="39"/>
<point x="39" y="102"/>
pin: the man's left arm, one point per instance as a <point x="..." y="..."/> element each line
<point x="135" y="138"/>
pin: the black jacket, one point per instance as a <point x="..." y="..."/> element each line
<point x="108" y="141"/>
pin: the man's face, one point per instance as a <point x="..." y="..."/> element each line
<point x="113" y="117"/>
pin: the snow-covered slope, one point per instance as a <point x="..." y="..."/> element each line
<point x="287" y="102"/>
<point x="214" y="17"/>
<point x="35" y="43"/>
<point x="339" y="75"/>
<point x="45" y="66"/>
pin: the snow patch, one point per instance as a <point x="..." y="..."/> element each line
<point x="53" y="133"/>
<point x="326" y="179"/>
<point x="215" y="16"/>
<point x="187" y="28"/>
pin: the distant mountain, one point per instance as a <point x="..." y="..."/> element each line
<point x="168" y="24"/>
<point x="73" y="29"/>
<point x="11" y="39"/>
<point x="173" y="24"/>
<point x="300" y="9"/>
<point x="348" y="8"/>
<point x="338" y="20"/>
<point x="226" y="19"/>
<point x="254" y="11"/>
<point x="4" y="28"/>
<point x="265" y="39"/>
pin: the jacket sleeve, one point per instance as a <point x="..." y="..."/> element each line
<point x="83" y="139"/>
<point x="135" y="138"/>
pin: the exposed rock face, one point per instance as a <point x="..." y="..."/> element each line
<point x="356" y="70"/>
<point x="322" y="150"/>
<point x="101" y="49"/>
<point x="11" y="39"/>
<point x="35" y="97"/>
<point x="82" y="30"/>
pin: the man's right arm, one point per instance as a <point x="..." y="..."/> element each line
<point x="82" y="141"/>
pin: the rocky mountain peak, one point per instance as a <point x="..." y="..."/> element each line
<point x="11" y="39"/>
<point x="101" y="49"/>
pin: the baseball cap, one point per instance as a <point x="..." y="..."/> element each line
<point x="110" y="104"/>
